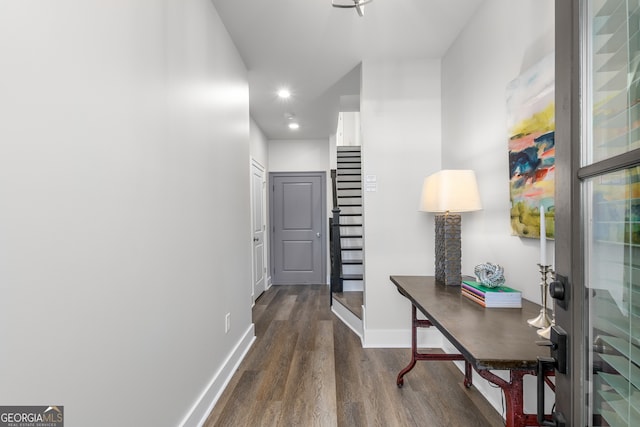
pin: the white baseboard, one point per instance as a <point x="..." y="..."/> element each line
<point x="401" y="338"/>
<point x="201" y="409"/>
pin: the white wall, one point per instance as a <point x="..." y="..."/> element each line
<point x="299" y="155"/>
<point x="259" y="147"/>
<point x="495" y="48"/>
<point x="401" y="121"/>
<point x="501" y="41"/>
<point x="124" y="196"/>
<point x="348" y="131"/>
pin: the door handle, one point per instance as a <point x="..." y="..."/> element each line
<point x="255" y="239"/>
<point x="558" y="348"/>
<point x="544" y="364"/>
<point x="558" y="289"/>
<point x="318" y="234"/>
<point x="557" y="361"/>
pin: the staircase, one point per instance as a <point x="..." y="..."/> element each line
<point x="347" y="260"/>
<point x="349" y="197"/>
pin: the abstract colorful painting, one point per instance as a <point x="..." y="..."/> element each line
<point x="531" y="130"/>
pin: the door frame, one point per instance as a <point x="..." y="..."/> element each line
<point x="255" y="293"/>
<point x="569" y="239"/>
<point x="323" y="216"/>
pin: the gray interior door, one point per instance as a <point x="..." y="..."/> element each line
<point x="298" y="222"/>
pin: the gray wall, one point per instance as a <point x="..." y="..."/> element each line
<point x="124" y="199"/>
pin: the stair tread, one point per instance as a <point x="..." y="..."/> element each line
<point x="352" y="248"/>
<point x="350" y="214"/>
<point x="352" y="277"/>
<point x="351" y="236"/>
<point x="352" y="261"/>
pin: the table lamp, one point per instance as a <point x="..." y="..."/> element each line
<point x="447" y="193"/>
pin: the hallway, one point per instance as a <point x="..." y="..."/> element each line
<point x="307" y="369"/>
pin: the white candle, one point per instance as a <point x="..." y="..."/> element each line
<point x="543" y="237"/>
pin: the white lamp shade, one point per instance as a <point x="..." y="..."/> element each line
<point x="450" y="190"/>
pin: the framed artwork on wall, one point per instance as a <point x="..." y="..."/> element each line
<point x="531" y="139"/>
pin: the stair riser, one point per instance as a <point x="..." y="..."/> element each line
<point x="351" y="242"/>
<point x="349" y="193"/>
<point x="352" y="285"/>
<point x="351" y="209"/>
<point x="352" y="269"/>
<point x="350" y="230"/>
<point x="348" y="178"/>
<point x="355" y="187"/>
<point x="349" y="201"/>
<point x="350" y="221"/>
<point x="347" y="255"/>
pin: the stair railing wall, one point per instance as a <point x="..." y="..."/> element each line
<point x="335" y="240"/>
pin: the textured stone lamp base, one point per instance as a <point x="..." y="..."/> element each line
<point x="448" y="249"/>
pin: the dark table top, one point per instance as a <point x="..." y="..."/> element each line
<point x="489" y="338"/>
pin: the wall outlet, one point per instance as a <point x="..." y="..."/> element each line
<point x="227" y="322"/>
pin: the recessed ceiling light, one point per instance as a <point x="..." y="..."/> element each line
<point x="294" y="125"/>
<point x="284" y="93"/>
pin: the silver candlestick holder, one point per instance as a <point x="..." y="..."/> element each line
<point x="542" y="320"/>
<point x="546" y="332"/>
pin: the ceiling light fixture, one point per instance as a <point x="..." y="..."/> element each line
<point x="294" y="126"/>
<point x="284" y="93"/>
<point x="345" y="4"/>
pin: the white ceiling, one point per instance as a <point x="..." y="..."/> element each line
<point x="316" y="51"/>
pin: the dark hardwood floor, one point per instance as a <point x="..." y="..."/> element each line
<point x="306" y="368"/>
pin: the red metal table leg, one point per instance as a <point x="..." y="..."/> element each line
<point x="515" y="416"/>
<point x="468" y="374"/>
<point x="414" y="348"/>
<point x="512" y="394"/>
<point x="415" y="355"/>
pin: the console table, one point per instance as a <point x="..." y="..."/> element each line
<point x="487" y="338"/>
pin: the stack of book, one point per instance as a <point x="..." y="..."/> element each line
<point x="500" y="297"/>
